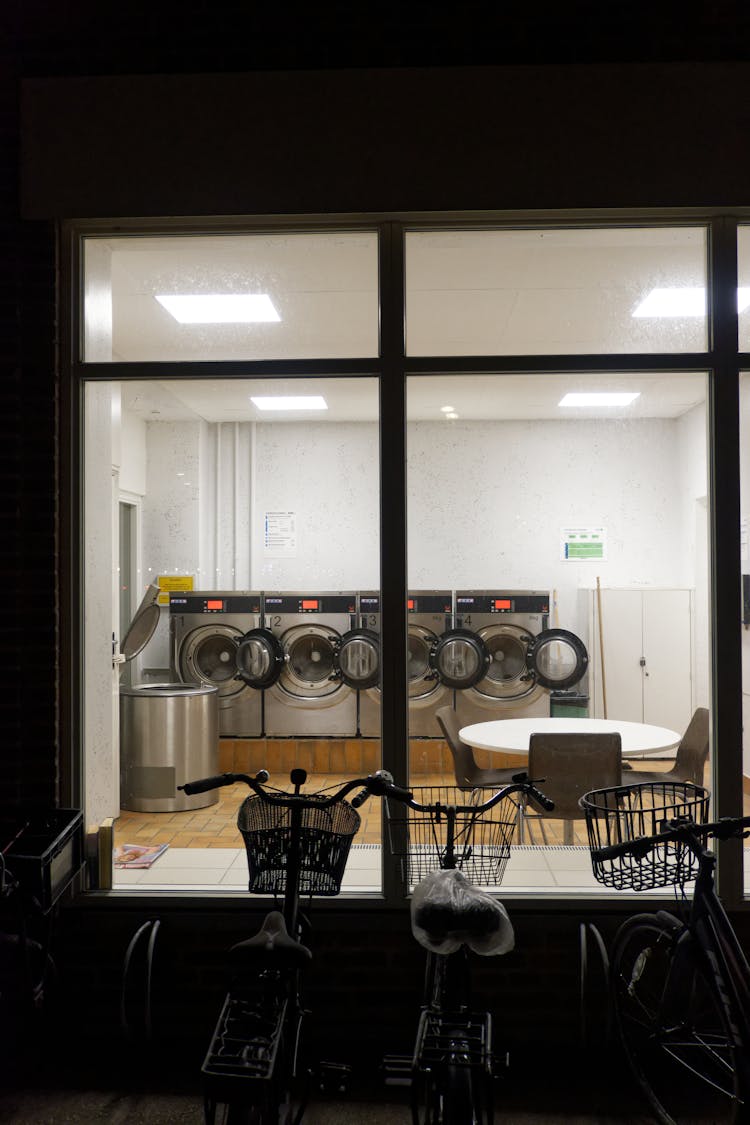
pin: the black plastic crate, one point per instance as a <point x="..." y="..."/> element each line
<point x="43" y="850"/>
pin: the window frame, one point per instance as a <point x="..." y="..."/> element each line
<point x="722" y="361"/>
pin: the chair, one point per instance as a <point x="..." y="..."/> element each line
<point x="567" y="765"/>
<point x="468" y="774"/>
<point x="690" y="760"/>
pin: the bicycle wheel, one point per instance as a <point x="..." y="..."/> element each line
<point x="458" y="1097"/>
<point x="445" y="1096"/>
<point x="674" y="1024"/>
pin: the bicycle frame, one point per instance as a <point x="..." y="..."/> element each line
<point x="715" y="935"/>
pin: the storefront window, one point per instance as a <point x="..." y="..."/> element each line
<point x="528" y="516"/>
<point x="556" y="515"/>
<point x="250" y="509"/>
<point x="231" y="297"/>
<point x="544" y="292"/>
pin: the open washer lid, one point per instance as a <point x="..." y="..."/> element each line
<point x="143" y="626"/>
<point x="557" y="658"/>
<point x="358" y="659"/>
<point x="260" y="658"/>
<point x="460" y="658"/>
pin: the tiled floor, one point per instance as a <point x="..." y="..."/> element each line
<point x="206" y="852"/>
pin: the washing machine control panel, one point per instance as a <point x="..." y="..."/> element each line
<point x="429" y="603"/>
<point x="310" y="603"/>
<point x="502" y="603"/>
<point x="214" y="603"/>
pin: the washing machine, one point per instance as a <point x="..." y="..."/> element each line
<point x="441" y="658"/>
<point x="369" y="697"/>
<point x="206" y="629"/>
<point x="525" y="659"/>
<point x="300" y="656"/>
<point x="429" y="620"/>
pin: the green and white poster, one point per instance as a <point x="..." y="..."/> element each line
<point x="584" y="543"/>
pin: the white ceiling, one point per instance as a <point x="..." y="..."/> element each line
<point x="483" y="292"/>
<point x="473" y="397"/>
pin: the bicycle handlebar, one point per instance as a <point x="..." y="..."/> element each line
<point x="205" y="783"/>
<point x="376" y="784"/>
<point x="521" y="783"/>
<point x="683" y="830"/>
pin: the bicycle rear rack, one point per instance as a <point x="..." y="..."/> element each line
<point x="460" y="1038"/>
<point x="242" y="1053"/>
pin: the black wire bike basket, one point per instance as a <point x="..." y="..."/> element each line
<point x="325" y="838"/>
<point x="626" y="812"/>
<point x="481" y="840"/>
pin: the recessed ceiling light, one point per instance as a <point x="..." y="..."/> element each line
<point x="447" y="409"/>
<point x="219" y="308"/>
<point x="684" y="301"/>
<point x="452" y="414"/>
<point x="598" y="398"/>
<point x="289" y="402"/>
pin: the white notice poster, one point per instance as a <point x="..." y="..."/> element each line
<point x="280" y="535"/>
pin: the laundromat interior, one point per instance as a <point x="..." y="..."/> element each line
<point x="247" y="532"/>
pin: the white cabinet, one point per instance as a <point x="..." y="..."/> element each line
<point x="646" y="639"/>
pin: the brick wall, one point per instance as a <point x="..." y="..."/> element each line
<point x="28" y="406"/>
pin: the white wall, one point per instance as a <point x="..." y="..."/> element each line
<point x="101" y="715"/>
<point x="487" y="503"/>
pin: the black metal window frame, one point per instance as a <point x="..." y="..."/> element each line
<point x="722" y="362"/>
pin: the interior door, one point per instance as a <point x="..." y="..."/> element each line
<point x="667" y="688"/>
<point x="616" y="660"/>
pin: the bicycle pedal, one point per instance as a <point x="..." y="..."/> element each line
<point x="500" y="1064"/>
<point x="333" y="1078"/>
<point x="397" y="1070"/>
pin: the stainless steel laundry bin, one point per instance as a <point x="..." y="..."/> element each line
<point x="169" y="734"/>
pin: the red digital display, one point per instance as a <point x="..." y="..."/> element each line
<point x="309" y="603"/>
<point x="214" y="603"/>
<point x="502" y="603"/>
<point x="410" y="603"/>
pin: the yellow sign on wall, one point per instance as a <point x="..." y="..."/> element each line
<point x="173" y="584"/>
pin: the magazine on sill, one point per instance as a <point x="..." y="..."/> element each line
<point x="138" y="855"/>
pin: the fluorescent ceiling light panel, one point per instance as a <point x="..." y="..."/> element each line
<point x="683" y="302"/>
<point x="219" y="308"/>
<point x="289" y="402"/>
<point x="598" y="398"/>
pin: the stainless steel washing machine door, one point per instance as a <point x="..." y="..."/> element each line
<point x="459" y="658"/>
<point x="557" y="659"/>
<point x="423" y="679"/>
<point x="259" y="659"/>
<point x="358" y="659"/>
<point x="208" y="655"/>
<point x="310" y="677"/>
<point x="508" y="678"/>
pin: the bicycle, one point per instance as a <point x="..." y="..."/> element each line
<point x="297" y="844"/>
<point x="446" y="845"/>
<point x="680" y="987"/>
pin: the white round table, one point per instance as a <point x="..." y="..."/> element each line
<point x="511" y="736"/>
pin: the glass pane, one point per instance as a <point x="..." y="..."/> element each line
<point x="743" y="284"/>
<point x="260" y="529"/>
<point x="536" y="518"/>
<point x="544" y="292"/>
<point x="745" y="568"/>
<point x="201" y="297"/>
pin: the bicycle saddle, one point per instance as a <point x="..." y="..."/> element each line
<point x="447" y="911"/>
<point x="273" y="944"/>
